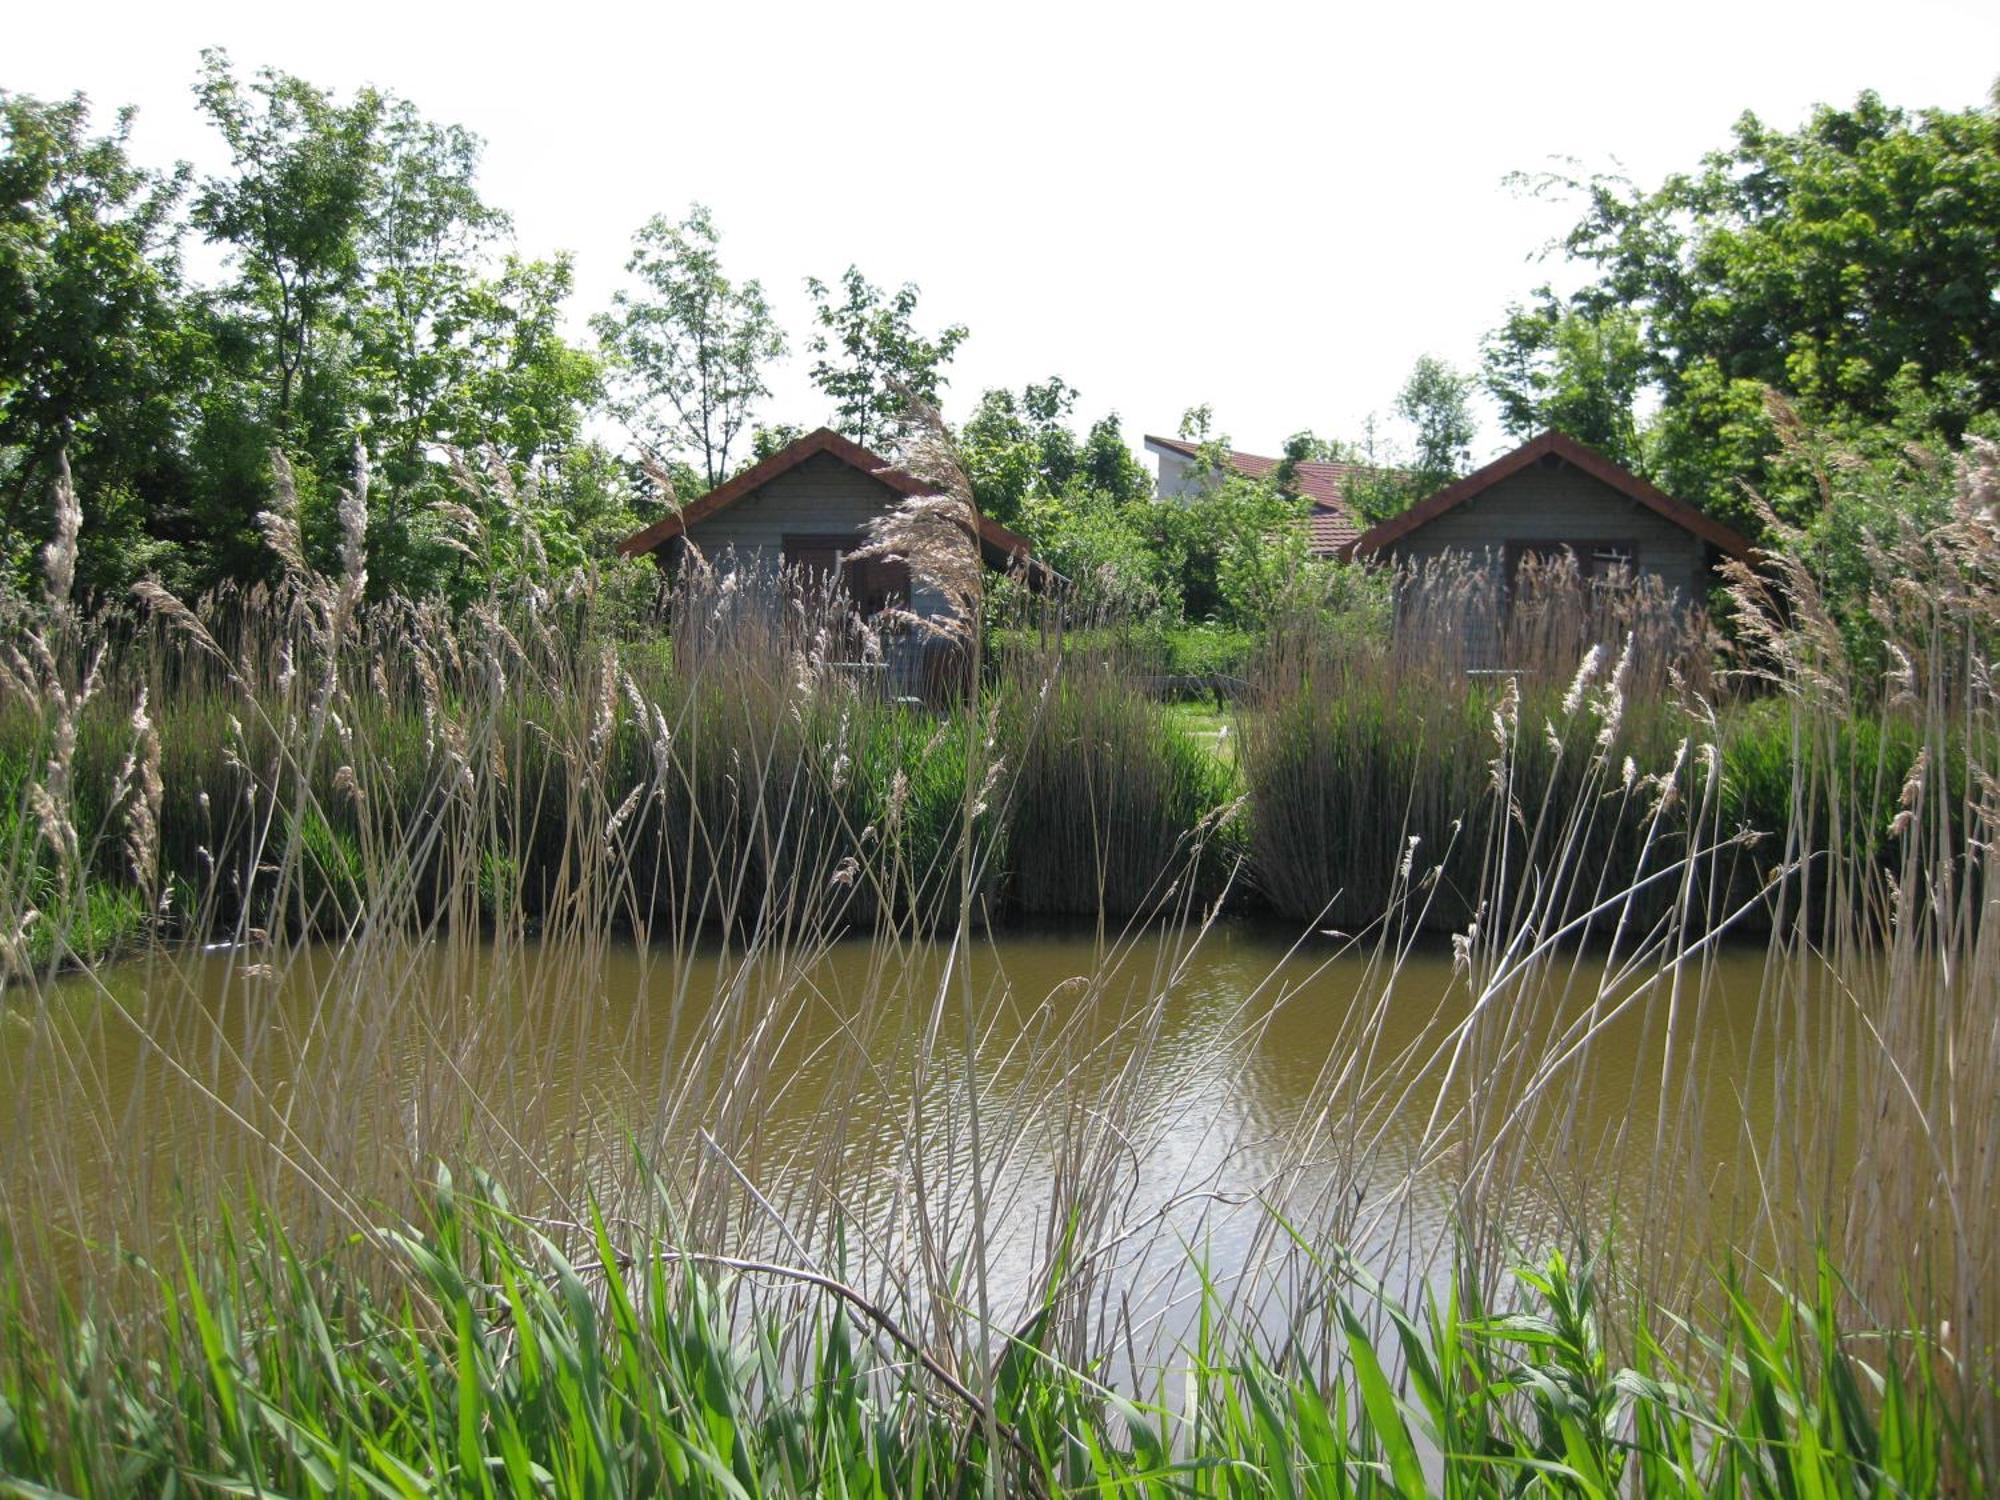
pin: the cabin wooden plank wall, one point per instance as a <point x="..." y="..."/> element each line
<point x="821" y="497"/>
<point x="1559" y="503"/>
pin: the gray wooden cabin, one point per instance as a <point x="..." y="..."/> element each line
<point x="1554" y="497"/>
<point x="808" y="508"/>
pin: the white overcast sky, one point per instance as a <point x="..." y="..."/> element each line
<point x="1271" y="208"/>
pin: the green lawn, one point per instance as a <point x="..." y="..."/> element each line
<point x="1201" y="723"/>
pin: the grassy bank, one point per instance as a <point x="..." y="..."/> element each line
<point x="720" y="771"/>
<point x="504" y="1365"/>
<point x="252" y="736"/>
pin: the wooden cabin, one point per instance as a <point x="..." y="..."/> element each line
<point x="1551" y="496"/>
<point x="1552" y="500"/>
<point x="808" y="507"/>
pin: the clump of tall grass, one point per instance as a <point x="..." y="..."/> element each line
<point x="1438" y="736"/>
<point x="300" y="739"/>
<point x="1106" y="800"/>
<point x="1886" y="967"/>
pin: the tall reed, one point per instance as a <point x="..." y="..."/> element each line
<point x="1362" y="748"/>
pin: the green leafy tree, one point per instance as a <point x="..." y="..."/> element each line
<point x="1554" y="366"/>
<point x="420" y="248"/>
<point x="94" y="352"/>
<point x="1308" y="447"/>
<point x="777" y="436"/>
<point x="293" y="215"/>
<point x="1436" y="401"/>
<point x="1107" y="464"/>
<point x="293" y="210"/>
<point x="1232" y="547"/>
<point x="527" y="390"/>
<point x="1022" y="449"/>
<point x="363" y="307"/>
<point x="1001" y="456"/>
<point x="1850" y="264"/>
<point x="871" y="358"/>
<point x="688" y="351"/>
<point x="516" y="407"/>
<point x="359" y="307"/>
<point x="1108" y="551"/>
<point x="1196" y="423"/>
<point x="1435" y="406"/>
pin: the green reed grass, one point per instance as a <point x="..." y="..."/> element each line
<point x="505" y="1363"/>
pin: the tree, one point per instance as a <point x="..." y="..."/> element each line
<point x="1021" y="449"/>
<point x="364" y="310"/>
<point x="515" y="407"/>
<point x="1307" y="447"/>
<point x="1109" y="552"/>
<point x="1850" y="264"/>
<point x="425" y="231"/>
<point x="766" y="440"/>
<point x="527" y="389"/>
<point x="689" y="351"/>
<point x="1107" y="465"/>
<point x="1556" y="366"/>
<point x="293" y="210"/>
<point x="871" y="359"/>
<point x="92" y="340"/>
<point x="359" y="307"/>
<point x="1436" y="401"/>
<point x="1230" y="549"/>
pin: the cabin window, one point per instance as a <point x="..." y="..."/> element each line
<point x="873" y="583"/>
<point x="1606" y="563"/>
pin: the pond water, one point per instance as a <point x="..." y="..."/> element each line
<point x="800" y="1101"/>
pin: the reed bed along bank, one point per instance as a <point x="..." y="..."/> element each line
<point x="738" y="728"/>
<point x="751" y="732"/>
<point x="435" y="829"/>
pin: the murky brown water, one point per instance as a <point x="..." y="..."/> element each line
<point x="1197" y="1083"/>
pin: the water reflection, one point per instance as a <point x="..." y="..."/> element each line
<point x="1195" y="1085"/>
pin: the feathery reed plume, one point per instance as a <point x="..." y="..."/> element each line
<point x="142" y="837"/>
<point x="935" y="532"/>
<point x="59" y="556"/>
<point x="280" y="522"/>
<point x="354" y="526"/>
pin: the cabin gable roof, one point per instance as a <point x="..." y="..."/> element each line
<point x="999" y="546"/>
<point x="1587" y="460"/>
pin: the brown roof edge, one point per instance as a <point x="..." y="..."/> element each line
<point x="992" y="534"/>
<point x="820" y="440"/>
<point x="1589" y="460"/>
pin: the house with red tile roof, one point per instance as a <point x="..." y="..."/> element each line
<point x="1335" y="524"/>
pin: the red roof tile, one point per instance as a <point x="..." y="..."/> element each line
<point x="1331" y="529"/>
<point x="1334" y="523"/>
